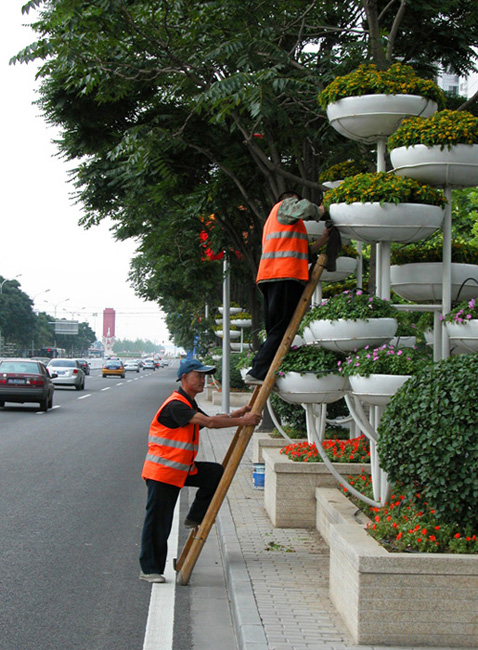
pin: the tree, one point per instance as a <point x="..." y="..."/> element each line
<point x="176" y="111"/>
<point x="17" y="320"/>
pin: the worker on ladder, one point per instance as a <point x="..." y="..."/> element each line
<point x="283" y="271"/>
<point x="170" y="464"/>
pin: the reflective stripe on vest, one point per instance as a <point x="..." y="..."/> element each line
<point x="171" y="452"/>
<point x="285" y="250"/>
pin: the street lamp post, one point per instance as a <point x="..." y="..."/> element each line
<point x="1" y="291"/>
<point x="55" y="306"/>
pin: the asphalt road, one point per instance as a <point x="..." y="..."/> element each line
<point x="71" y="511"/>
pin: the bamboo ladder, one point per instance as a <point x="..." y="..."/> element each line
<point x="184" y="565"/>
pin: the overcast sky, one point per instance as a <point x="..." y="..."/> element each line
<point x="39" y="235"/>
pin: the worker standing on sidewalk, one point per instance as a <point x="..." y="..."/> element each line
<point x="170" y="464"/>
<point x="283" y="271"/>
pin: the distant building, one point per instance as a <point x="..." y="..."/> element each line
<point x="109" y="321"/>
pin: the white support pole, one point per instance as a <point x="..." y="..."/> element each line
<point x="446" y="279"/>
<point x="385" y="270"/>
<point x="226" y="339"/>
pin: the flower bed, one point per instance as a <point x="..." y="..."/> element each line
<point x="399" y="79"/>
<point x="289" y="491"/>
<point x="355" y="450"/>
<point x="401" y="599"/>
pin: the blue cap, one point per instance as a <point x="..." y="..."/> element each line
<point x="193" y="364"/>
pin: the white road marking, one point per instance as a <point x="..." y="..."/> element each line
<point x="85" y="396"/>
<point x="160" y="623"/>
<point x="107" y="388"/>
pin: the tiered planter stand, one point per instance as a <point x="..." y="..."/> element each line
<point x="449" y="167"/>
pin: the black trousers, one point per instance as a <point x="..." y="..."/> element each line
<point x="280" y="300"/>
<point x="160" y="505"/>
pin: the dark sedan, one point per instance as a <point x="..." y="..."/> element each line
<point x="23" y="380"/>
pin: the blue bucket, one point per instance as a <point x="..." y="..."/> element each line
<point x="258" y="475"/>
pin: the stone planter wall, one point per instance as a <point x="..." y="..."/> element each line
<point x="400" y="599"/>
<point x="262" y="440"/>
<point x="289" y="492"/>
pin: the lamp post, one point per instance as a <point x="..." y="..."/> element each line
<point x="55" y="306"/>
<point x="1" y="291"/>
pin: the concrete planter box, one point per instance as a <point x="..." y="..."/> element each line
<point x="289" y="492"/>
<point x="399" y="599"/>
<point x="262" y="441"/>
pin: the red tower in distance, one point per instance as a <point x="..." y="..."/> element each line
<point x="109" y="318"/>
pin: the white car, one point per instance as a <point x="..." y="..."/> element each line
<point x="132" y="365"/>
<point x="68" y="373"/>
<point x="149" y="364"/>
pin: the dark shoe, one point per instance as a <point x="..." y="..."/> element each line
<point x="250" y="380"/>
<point x="152" y="577"/>
<point x="188" y="523"/>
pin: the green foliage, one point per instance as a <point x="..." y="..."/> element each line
<point x="444" y="128"/>
<point x="383" y="187"/>
<point x="310" y="358"/>
<point x="385" y="360"/>
<point x="427" y="438"/>
<point x="398" y="79"/>
<point x="350" y="305"/>
<point x="431" y="250"/>
<point x="290" y="415"/>
<point x="343" y="169"/>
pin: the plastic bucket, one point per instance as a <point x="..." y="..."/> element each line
<point x="258" y="475"/>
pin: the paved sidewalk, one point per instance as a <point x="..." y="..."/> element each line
<point x="277" y="578"/>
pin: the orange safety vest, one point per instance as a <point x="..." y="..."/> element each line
<point x="171" y="452"/>
<point x="285" y="250"/>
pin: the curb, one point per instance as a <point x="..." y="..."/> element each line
<point x="247" y="622"/>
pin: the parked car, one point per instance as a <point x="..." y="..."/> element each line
<point x="85" y="366"/>
<point x="113" y="367"/>
<point x="132" y="365"/>
<point x="23" y="381"/>
<point x="68" y="373"/>
<point x="149" y="364"/>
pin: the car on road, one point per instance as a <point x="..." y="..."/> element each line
<point x="68" y="373"/>
<point x="85" y="366"/>
<point x="165" y="363"/>
<point x="149" y="364"/>
<point x="132" y="365"/>
<point x="23" y="381"/>
<point x="113" y="367"/>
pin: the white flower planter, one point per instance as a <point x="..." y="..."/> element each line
<point x="307" y="388"/>
<point x="236" y="347"/>
<point x="241" y="322"/>
<point x="464" y="337"/>
<point x="232" y="310"/>
<point x="403" y="341"/>
<point x="233" y="334"/>
<point x="423" y="281"/>
<point x="345" y="267"/>
<point x="308" y="336"/>
<point x="331" y="185"/>
<point x="375" y="222"/>
<point x="376" y="390"/>
<point x="457" y="166"/>
<point x="372" y="117"/>
<point x="316" y="228"/>
<point x="347" y="335"/>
